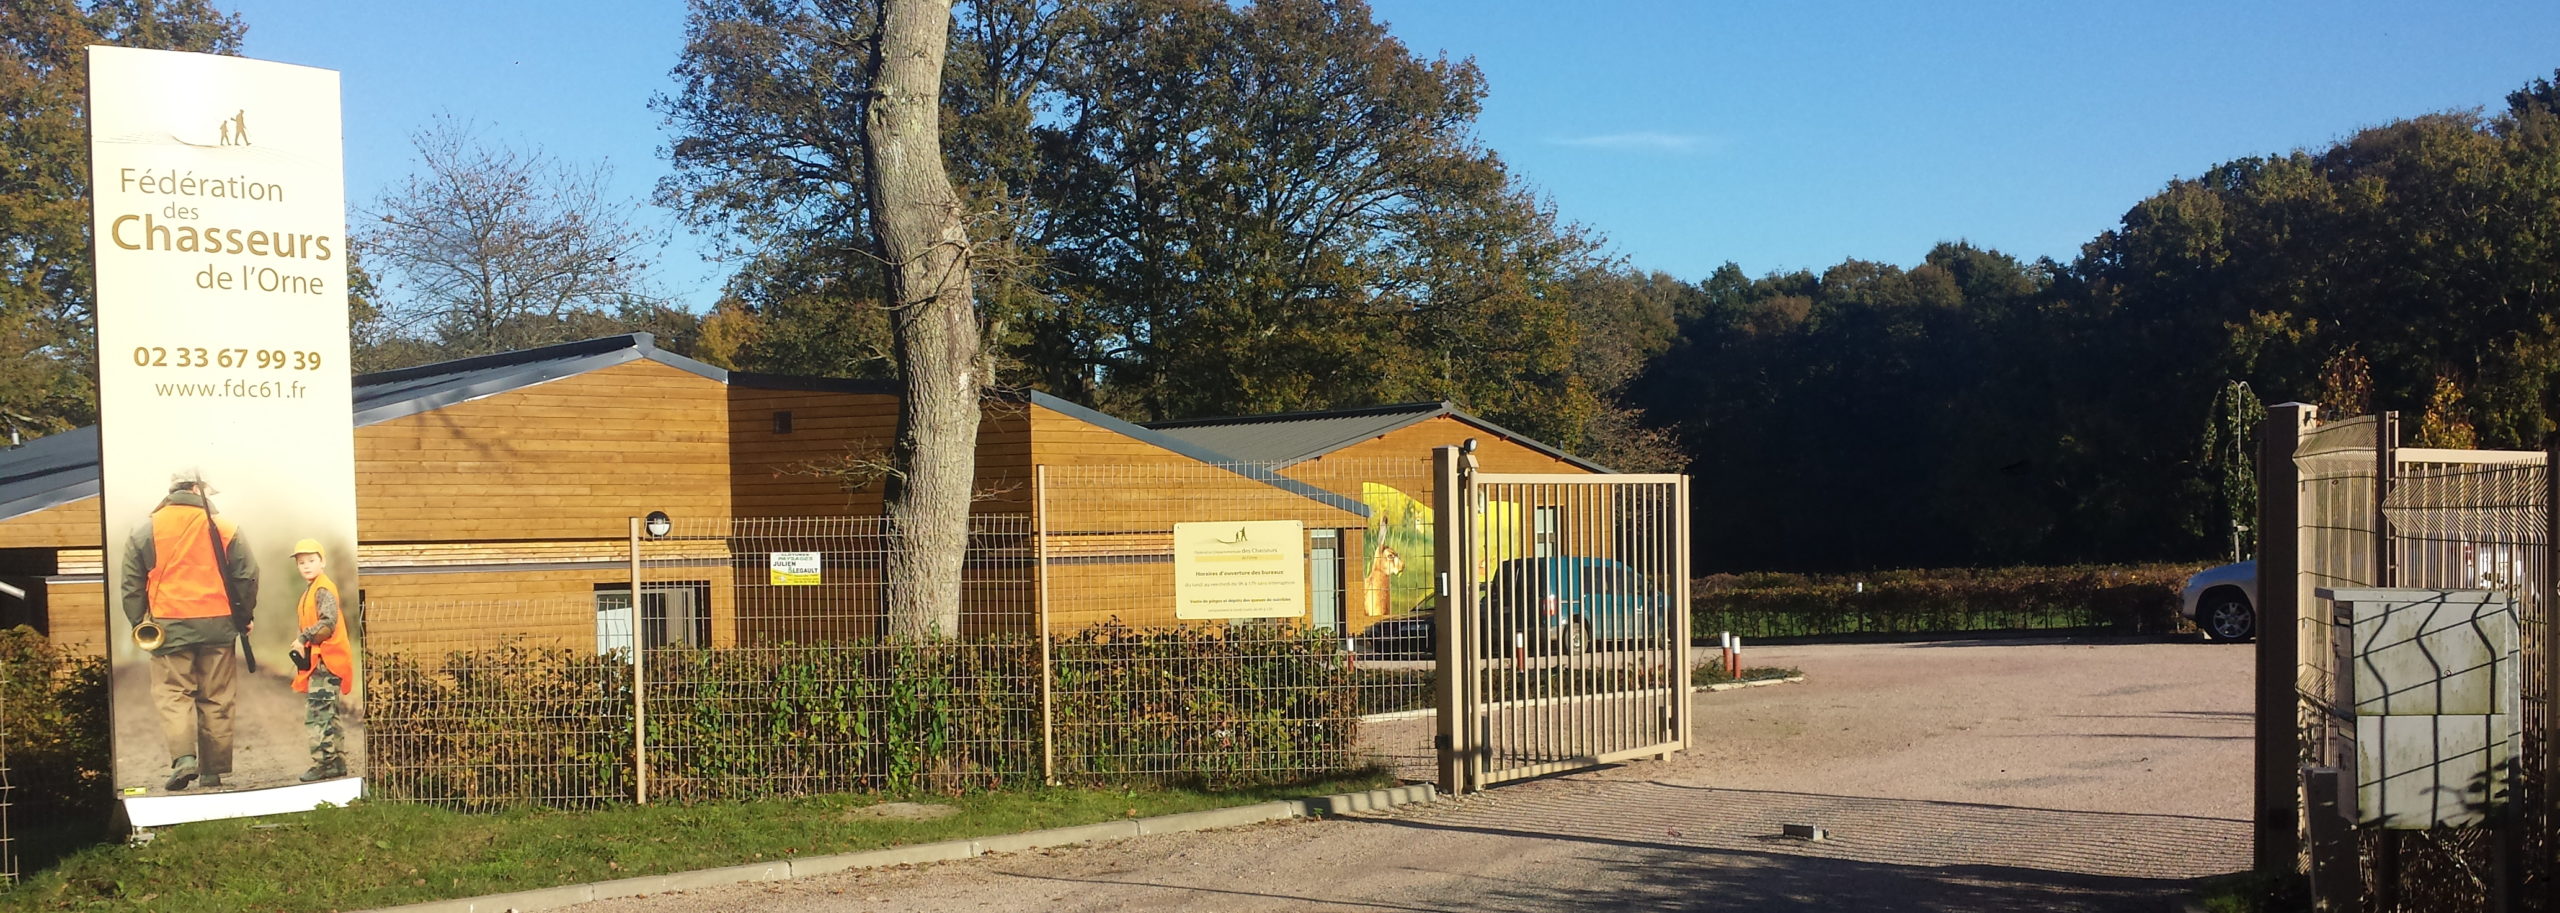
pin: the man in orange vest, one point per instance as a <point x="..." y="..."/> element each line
<point x="327" y="664"/>
<point x="185" y="571"/>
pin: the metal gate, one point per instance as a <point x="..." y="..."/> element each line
<point x="1568" y="603"/>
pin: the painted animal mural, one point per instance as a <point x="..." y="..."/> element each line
<point x="1384" y="564"/>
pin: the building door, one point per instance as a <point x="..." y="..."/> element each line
<point x="1547" y="524"/>
<point x="1324" y="579"/>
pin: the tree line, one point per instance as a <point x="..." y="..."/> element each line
<point x="1185" y="208"/>
<point x="1978" y="409"/>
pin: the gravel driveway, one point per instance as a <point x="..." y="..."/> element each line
<point x="1959" y="776"/>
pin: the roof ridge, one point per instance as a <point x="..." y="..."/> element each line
<point x="1304" y="414"/>
<point x="642" y="341"/>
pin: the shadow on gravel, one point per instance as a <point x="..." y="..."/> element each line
<point x="1671" y="847"/>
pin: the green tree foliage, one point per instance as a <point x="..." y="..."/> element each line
<point x="1867" y="414"/>
<point x="1976" y="409"/>
<point x="48" y="321"/>
<point x="1180" y="207"/>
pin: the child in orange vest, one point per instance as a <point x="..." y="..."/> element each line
<point x="327" y="664"/>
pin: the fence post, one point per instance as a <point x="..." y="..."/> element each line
<point x="1682" y="619"/>
<point x="1455" y="726"/>
<point x="2336" y="881"/>
<point x="2278" y="844"/>
<point x="1048" y="674"/>
<point x="639" y="680"/>
<point x="2546" y="801"/>
<point x="2386" y="476"/>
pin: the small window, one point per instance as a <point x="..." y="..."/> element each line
<point x="782" y="421"/>
<point x="1546" y="531"/>
<point x="675" y="613"/>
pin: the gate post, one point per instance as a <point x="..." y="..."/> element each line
<point x="639" y="681"/>
<point x="2278" y="844"/>
<point x="2542" y="675"/>
<point x="1455" y="735"/>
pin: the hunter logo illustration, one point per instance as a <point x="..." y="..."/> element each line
<point x="235" y="129"/>
<point x="1238" y="540"/>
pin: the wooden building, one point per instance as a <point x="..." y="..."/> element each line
<point x="510" y="480"/>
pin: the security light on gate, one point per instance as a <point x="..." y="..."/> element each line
<point x="657" y="524"/>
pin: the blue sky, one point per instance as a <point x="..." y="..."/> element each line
<point x="1775" y="135"/>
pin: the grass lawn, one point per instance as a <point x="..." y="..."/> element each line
<point x="376" y="855"/>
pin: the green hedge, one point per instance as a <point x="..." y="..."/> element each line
<point x="2121" y="598"/>
<point x="510" y="724"/>
<point x="53" y="710"/>
<point x="498" y="726"/>
<point x="1221" y="706"/>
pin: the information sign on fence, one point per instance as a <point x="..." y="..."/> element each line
<point x="2435" y="703"/>
<point x="1240" y="569"/>
<point x="795" y="568"/>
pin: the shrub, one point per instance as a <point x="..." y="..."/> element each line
<point x="1220" y="705"/>
<point x="499" y="726"/>
<point x="552" y="725"/>
<point x="53" y="710"/>
<point x="2121" y="598"/>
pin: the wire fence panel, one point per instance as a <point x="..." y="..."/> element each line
<point x="490" y="704"/>
<point x="771" y="670"/>
<point x="766" y="665"/>
<point x="2340" y="464"/>
<point x="1153" y="684"/>
<point x="2373" y="515"/>
<point x="8" y="844"/>
<point x="2477" y="520"/>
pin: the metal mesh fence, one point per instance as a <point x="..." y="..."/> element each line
<point x="2374" y="515"/>
<point x="8" y="844"/>
<point x="766" y="668"/>
<point x="2341" y="475"/>
<point x="771" y="669"/>
<point x="484" y="704"/>
<point x="2475" y="521"/>
<point x="1274" y="695"/>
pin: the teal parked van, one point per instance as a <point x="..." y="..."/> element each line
<point x="1571" y="604"/>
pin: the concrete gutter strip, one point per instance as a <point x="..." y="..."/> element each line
<point x="1728" y="686"/>
<point x="945" y="851"/>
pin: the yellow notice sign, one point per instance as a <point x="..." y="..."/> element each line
<point x="795" y="568"/>
<point x="1240" y="569"/>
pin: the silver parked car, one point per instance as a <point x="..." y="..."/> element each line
<point x="2223" y="601"/>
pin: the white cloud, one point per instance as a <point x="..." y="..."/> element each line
<point x="1641" y="141"/>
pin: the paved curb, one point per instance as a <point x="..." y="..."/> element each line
<point x="1756" y="683"/>
<point x="805" y="866"/>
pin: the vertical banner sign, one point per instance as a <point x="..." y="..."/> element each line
<point x="224" y="404"/>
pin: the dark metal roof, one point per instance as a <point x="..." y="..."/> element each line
<point x="61" y="468"/>
<point x="1287" y="438"/>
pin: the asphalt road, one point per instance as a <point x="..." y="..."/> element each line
<point x="1951" y="777"/>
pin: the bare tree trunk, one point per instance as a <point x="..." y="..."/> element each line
<point x="916" y="217"/>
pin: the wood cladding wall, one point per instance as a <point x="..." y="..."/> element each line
<point x="570" y="458"/>
<point x="783" y="473"/>
<point x="430" y="614"/>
